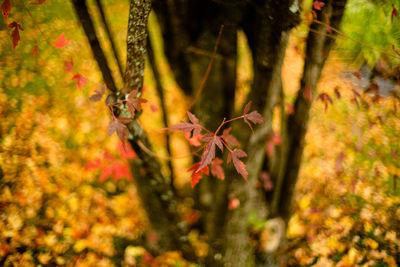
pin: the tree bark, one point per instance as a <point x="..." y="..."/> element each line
<point x="267" y="40"/>
<point x="317" y="50"/>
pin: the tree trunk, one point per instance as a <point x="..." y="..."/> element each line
<point x="317" y="50"/>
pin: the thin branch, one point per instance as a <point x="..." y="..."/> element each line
<point x="203" y="81"/>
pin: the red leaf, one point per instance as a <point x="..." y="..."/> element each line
<point x="233" y="203"/>
<point x="98" y="95"/>
<point x="307" y="94"/>
<point x="80" y="80"/>
<point x="120" y="128"/>
<point x="15" y="33"/>
<point x="134" y="103"/>
<point x="209" y="151"/>
<point x="38" y="3"/>
<point x="61" y="42"/>
<point x="216" y="168"/>
<point x="69" y="65"/>
<point x="197" y="174"/>
<point x="394" y="12"/>
<point x="34" y="51"/>
<point x="126" y="152"/>
<point x="240" y="167"/>
<point x="318" y="4"/>
<point x="230" y="139"/>
<point x="6" y="8"/>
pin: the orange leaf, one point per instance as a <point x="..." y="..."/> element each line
<point x="80" y="80"/>
<point x="61" y="42"/>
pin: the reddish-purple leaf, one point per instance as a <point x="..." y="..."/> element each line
<point x="134" y="103"/>
<point x="197" y="174"/>
<point x="15" y="32"/>
<point x="216" y="168"/>
<point x="124" y="120"/>
<point x="192" y="117"/>
<point x="188" y="127"/>
<point x="247" y="108"/>
<point x="253" y="117"/>
<point x="98" y="95"/>
<point x="240" y="167"/>
<point x="120" y="128"/>
<point x="318" y="5"/>
<point x="80" y="80"/>
<point x="6" y="8"/>
<point x="182" y="126"/>
<point x="61" y="41"/>
<point x="209" y="151"/>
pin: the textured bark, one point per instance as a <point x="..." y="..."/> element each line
<point x="136" y="45"/>
<point x="110" y="38"/>
<point x="155" y="191"/>
<point x="88" y="26"/>
<point x="317" y="50"/>
<point x="267" y="39"/>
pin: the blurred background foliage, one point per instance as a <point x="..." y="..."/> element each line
<point x="66" y="195"/>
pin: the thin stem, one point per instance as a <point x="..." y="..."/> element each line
<point x="225" y="122"/>
<point x="203" y="82"/>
